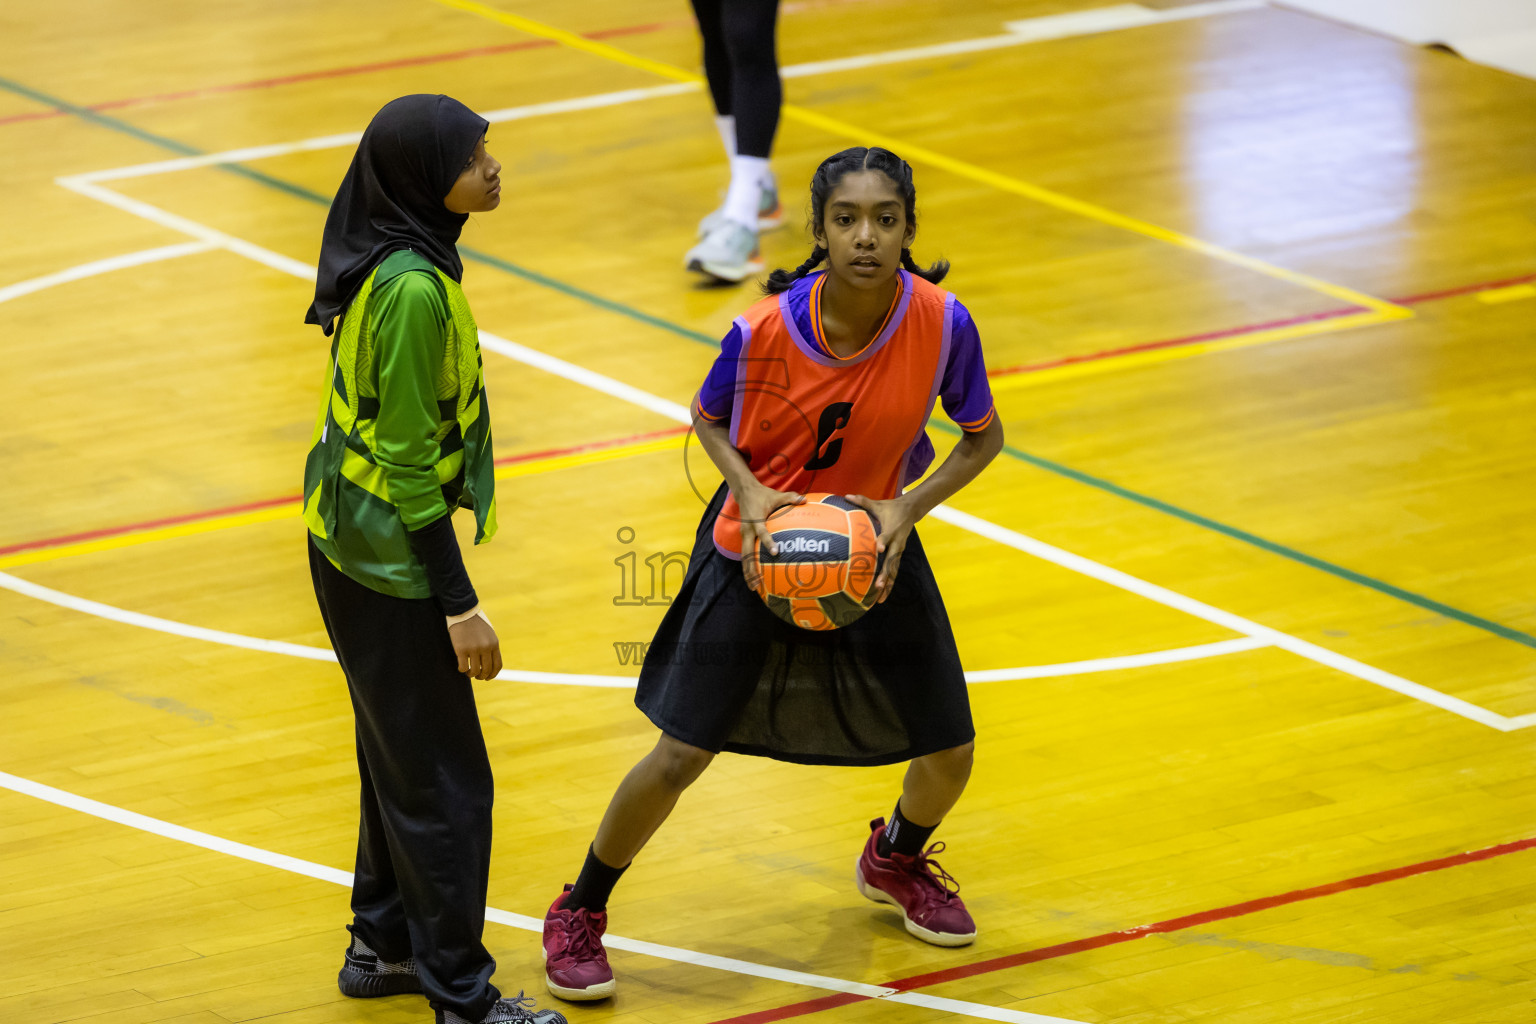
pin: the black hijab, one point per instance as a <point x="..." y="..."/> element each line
<point x="392" y="197"/>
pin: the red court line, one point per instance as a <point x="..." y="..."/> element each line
<point x="1235" y="332"/>
<point x="1001" y="372"/>
<point x="148" y="524"/>
<point x="1466" y="289"/>
<point x="253" y="506"/>
<point x="1188" y="339"/>
<point x="795" y="1009"/>
<point x="1173" y="924"/>
<point x="342" y="72"/>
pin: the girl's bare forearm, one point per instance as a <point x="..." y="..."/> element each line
<point x="716" y="441"/>
<point x="963" y="464"/>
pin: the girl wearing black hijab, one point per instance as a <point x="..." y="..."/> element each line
<point x="403" y="438"/>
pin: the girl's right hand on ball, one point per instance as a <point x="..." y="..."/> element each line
<point x="756" y="505"/>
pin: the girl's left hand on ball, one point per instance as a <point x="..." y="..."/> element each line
<point x="896" y="517"/>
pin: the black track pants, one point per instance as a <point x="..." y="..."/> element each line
<point x="742" y="65"/>
<point x="424" y="840"/>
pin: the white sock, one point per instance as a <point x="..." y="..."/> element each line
<point x="725" y="124"/>
<point x="748" y="173"/>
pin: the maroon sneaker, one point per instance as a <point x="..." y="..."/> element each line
<point x="575" y="962"/>
<point x="919" y="888"/>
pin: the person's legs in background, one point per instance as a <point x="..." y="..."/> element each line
<point x="741" y="65"/>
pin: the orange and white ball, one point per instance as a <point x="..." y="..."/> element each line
<point x="824" y="574"/>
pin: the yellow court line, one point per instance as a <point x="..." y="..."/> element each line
<point x="1091" y="211"/>
<point x="555" y="462"/>
<point x="126" y="540"/>
<point x="294" y="509"/>
<point x="1088" y="368"/>
<point x="921" y="154"/>
<point x="574" y="41"/>
<point x="1511" y="293"/>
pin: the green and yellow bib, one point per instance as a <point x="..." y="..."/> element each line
<point x="347" y="504"/>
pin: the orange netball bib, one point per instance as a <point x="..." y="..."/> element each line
<point x="806" y="420"/>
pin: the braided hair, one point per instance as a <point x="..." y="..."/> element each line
<point x="827" y="177"/>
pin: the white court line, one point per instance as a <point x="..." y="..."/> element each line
<point x="254" y="643"/>
<point x="309" y="869"/>
<point x="974" y="524"/>
<point x="1122" y="16"/>
<point x="1236" y="623"/>
<point x="111" y="263"/>
<point x="588" y="378"/>
<point x="1030" y="30"/>
<point x="1074" y="668"/>
<point x="192" y="837"/>
<point x="202" y="232"/>
<point x="232" y="156"/>
<point x="159" y="625"/>
<point x="502" y="346"/>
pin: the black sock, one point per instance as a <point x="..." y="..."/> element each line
<point x="594" y="885"/>
<point x="901" y="836"/>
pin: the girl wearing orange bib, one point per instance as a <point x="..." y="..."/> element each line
<point x="793" y="428"/>
<point x="826" y="384"/>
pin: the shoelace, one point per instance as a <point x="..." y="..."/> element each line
<point x="931" y="872"/>
<point x="512" y="1008"/>
<point x="584" y="941"/>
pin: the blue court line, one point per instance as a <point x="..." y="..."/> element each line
<point x="1380" y="586"/>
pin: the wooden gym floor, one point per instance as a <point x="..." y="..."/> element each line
<point x="1257" y="292"/>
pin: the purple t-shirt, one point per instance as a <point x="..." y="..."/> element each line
<point x="964" y="390"/>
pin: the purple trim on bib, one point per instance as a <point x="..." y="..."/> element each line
<point x="741" y="375"/>
<point x="734" y="556"/>
<point x="815" y="354"/>
<point x="918" y="456"/>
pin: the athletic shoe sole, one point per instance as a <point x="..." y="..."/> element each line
<point x="774" y="218"/>
<point x="591" y="993"/>
<point x="869" y="892"/>
<point x="732" y="272"/>
<point x="361" y="985"/>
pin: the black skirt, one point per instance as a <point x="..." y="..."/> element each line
<point x="725" y="673"/>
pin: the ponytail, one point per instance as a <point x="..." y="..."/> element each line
<point x="784" y="280"/>
<point x="933" y="273"/>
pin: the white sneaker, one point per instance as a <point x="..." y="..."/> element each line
<point x="770" y="213"/>
<point x="728" y="253"/>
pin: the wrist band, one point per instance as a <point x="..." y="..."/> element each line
<point x="454" y="620"/>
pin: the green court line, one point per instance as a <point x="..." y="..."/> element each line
<point x="299" y="191"/>
<point x="586" y="296"/>
<point x="1427" y="603"/>
<point x="1380" y="586"/>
